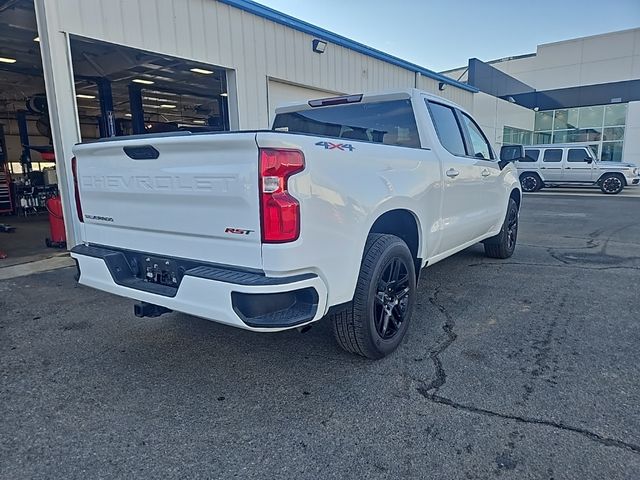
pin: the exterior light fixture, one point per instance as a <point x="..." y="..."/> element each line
<point x="535" y="109"/>
<point x="201" y="70"/>
<point x="199" y="122"/>
<point x="442" y="86"/>
<point x="82" y="95"/>
<point x="142" y="80"/>
<point x="319" y="46"/>
<point x="7" y="60"/>
<point x="224" y="94"/>
<point x="511" y="100"/>
<point x="128" y="115"/>
<point x="37" y="39"/>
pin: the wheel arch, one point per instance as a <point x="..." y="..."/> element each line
<point x="404" y="224"/>
<point x="617" y="174"/>
<point x="517" y="196"/>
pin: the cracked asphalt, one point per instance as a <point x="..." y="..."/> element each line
<point x="527" y="369"/>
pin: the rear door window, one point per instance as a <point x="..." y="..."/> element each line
<point x="577" y="155"/>
<point x="390" y="123"/>
<point x="531" y="155"/>
<point x="447" y="128"/>
<point x="552" y="155"/>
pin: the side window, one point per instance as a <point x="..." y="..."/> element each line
<point x="577" y="155"/>
<point x="531" y="155"/>
<point x="552" y="155"/>
<point x="479" y="144"/>
<point x="447" y="128"/>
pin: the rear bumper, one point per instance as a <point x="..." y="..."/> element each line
<point x="244" y="299"/>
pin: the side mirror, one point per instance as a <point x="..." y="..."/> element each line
<point x="588" y="160"/>
<point x="510" y="153"/>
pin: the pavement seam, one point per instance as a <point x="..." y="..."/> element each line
<point x="610" y="442"/>
<point x="564" y="265"/>
<point x="430" y="390"/>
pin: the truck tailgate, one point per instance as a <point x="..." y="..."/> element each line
<point x="197" y="199"/>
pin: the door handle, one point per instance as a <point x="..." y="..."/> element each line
<point x="486" y="173"/>
<point x="452" y="173"/>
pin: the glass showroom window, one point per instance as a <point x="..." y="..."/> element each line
<point x="601" y="125"/>
<point x="516" y="136"/>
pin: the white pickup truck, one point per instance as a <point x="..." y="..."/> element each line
<point x="333" y="212"/>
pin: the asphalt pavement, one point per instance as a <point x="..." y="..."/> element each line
<point x="527" y="368"/>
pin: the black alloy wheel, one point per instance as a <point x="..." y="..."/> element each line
<point x="612" y="184"/>
<point x="530" y="182"/>
<point x="392" y="297"/>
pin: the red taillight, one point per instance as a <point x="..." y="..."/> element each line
<point x="279" y="211"/>
<point x="76" y="190"/>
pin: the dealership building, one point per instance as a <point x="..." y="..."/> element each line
<point x="581" y="90"/>
<point x="78" y="70"/>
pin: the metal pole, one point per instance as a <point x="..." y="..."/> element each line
<point x="23" y="130"/>
<point x="137" y="110"/>
<point x="107" y="118"/>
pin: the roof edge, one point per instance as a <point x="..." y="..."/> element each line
<point x="305" y="27"/>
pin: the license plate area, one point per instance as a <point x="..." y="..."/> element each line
<point x="161" y="271"/>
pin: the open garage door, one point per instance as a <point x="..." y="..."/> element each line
<point x="281" y="93"/>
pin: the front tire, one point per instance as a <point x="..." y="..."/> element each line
<point x="375" y="322"/>
<point x="530" y="182"/>
<point x="612" y="184"/>
<point x="504" y="244"/>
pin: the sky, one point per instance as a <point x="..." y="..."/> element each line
<point x="444" y="34"/>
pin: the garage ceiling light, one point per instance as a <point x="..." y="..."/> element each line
<point x="7" y="60"/>
<point x="82" y="95"/>
<point x="201" y="70"/>
<point x="143" y="81"/>
<point x="161" y="100"/>
<point x="166" y="105"/>
<point x="199" y="122"/>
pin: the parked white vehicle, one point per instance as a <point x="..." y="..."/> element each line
<point x="333" y="212"/>
<point x="571" y="164"/>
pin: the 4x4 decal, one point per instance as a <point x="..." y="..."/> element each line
<point x="336" y="146"/>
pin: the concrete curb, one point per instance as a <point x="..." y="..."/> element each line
<point x="45" y="265"/>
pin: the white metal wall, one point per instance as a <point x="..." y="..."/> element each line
<point x="463" y="98"/>
<point x="214" y="33"/>
<point x="252" y="48"/>
<point x="281" y="93"/>
<point x="492" y="114"/>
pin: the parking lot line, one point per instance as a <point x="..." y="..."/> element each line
<point x="635" y="193"/>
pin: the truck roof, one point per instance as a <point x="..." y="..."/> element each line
<point x="385" y="95"/>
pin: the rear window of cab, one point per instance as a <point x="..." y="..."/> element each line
<point x="389" y="122"/>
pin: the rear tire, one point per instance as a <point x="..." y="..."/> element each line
<point x="612" y="183"/>
<point x="530" y="182"/>
<point x="375" y="322"/>
<point x="504" y="244"/>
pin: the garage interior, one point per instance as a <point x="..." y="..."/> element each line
<point x="119" y="91"/>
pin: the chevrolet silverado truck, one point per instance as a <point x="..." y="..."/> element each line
<point x="331" y="213"/>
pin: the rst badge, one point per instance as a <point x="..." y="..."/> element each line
<point x="237" y="231"/>
<point x="336" y="146"/>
